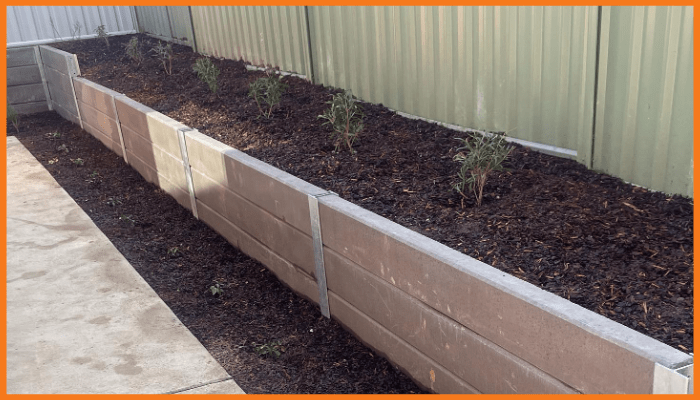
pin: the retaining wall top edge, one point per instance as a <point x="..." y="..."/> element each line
<point x="274" y="172"/>
<point x="128" y="101"/>
<point x="97" y="86"/>
<point x="55" y="50"/>
<point x="581" y="317"/>
<point x="198" y="136"/>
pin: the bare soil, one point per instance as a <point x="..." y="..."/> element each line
<point x="617" y="249"/>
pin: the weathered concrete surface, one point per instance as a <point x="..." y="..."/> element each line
<point x="79" y="318"/>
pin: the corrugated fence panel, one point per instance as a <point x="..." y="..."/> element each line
<point x="31" y="25"/>
<point x="525" y="70"/>
<point x="172" y="23"/>
<point x="644" y="120"/>
<point x="260" y="35"/>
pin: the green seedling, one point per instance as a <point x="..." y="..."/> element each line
<point x="102" y="34"/>
<point x="482" y="155"/>
<point x="133" y="50"/>
<point x="216" y="290"/>
<point x="128" y="218"/>
<point x="78" y="161"/>
<point x="113" y="202"/>
<point x="273" y="349"/>
<point x="267" y="90"/>
<point x="345" y="117"/>
<point x="165" y="55"/>
<point x="53" y="135"/>
<point x="63" y="148"/>
<point x="207" y="72"/>
<point x="13" y="117"/>
<point x="173" y="251"/>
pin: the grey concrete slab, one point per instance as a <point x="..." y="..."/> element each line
<point x="80" y="319"/>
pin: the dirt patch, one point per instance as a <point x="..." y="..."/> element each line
<point x="616" y="249"/>
<point x="182" y="259"/>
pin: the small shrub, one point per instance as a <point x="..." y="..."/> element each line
<point x="133" y="50"/>
<point x="345" y="117"/>
<point x="267" y="90"/>
<point x="216" y="290"/>
<point x="207" y="72"/>
<point x="13" y="117"/>
<point x="484" y="154"/>
<point x="273" y="348"/>
<point x="165" y="55"/>
<point x="102" y="34"/>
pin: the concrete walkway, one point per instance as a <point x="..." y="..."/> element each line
<point x="80" y="319"/>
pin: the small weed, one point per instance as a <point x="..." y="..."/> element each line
<point x="484" y="154"/>
<point x="165" y="55"/>
<point x="53" y="161"/>
<point x="102" y="34"/>
<point x="133" y="50"/>
<point x="93" y="177"/>
<point x="128" y="218"/>
<point x="174" y="251"/>
<point x="63" y="148"/>
<point x="13" y="116"/>
<point x="272" y="349"/>
<point x="207" y="72"/>
<point x="216" y="290"/>
<point x="113" y="202"/>
<point x="78" y="161"/>
<point x="53" y="135"/>
<point x="345" y="117"/>
<point x="267" y="90"/>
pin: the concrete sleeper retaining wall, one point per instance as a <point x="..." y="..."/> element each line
<point x="452" y="323"/>
<point x="27" y="92"/>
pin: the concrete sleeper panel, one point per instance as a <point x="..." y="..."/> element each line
<point x="287" y="272"/>
<point x="31" y="108"/>
<point x="529" y="322"/>
<point x="280" y="237"/>
<point x="97" y="119"/>
<point x="26" y="94"/>
<point x="423" y="370"/>
<point x="21" y="56"/>
<point x="132" y="115"/>
<point x="276" y="191"/>
<point x="25" y="75"/>
<point x="97" y="96"/>
<point x="485" y="366"/>
<point x="56" y="59"/>
<point x="209" y="192"/>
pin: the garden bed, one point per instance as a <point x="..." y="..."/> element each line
<point x="575" y="221"/>
<point x="611" y="247"/>
<point x="181" y="258"/>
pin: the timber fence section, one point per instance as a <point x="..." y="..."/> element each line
<point x="27" y="92"/>
<point x="454" y="324"/>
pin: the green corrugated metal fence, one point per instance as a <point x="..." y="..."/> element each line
<point x="262" y="36"/>
<point x="644" y="120"/>
<point x="170" y="23"/>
